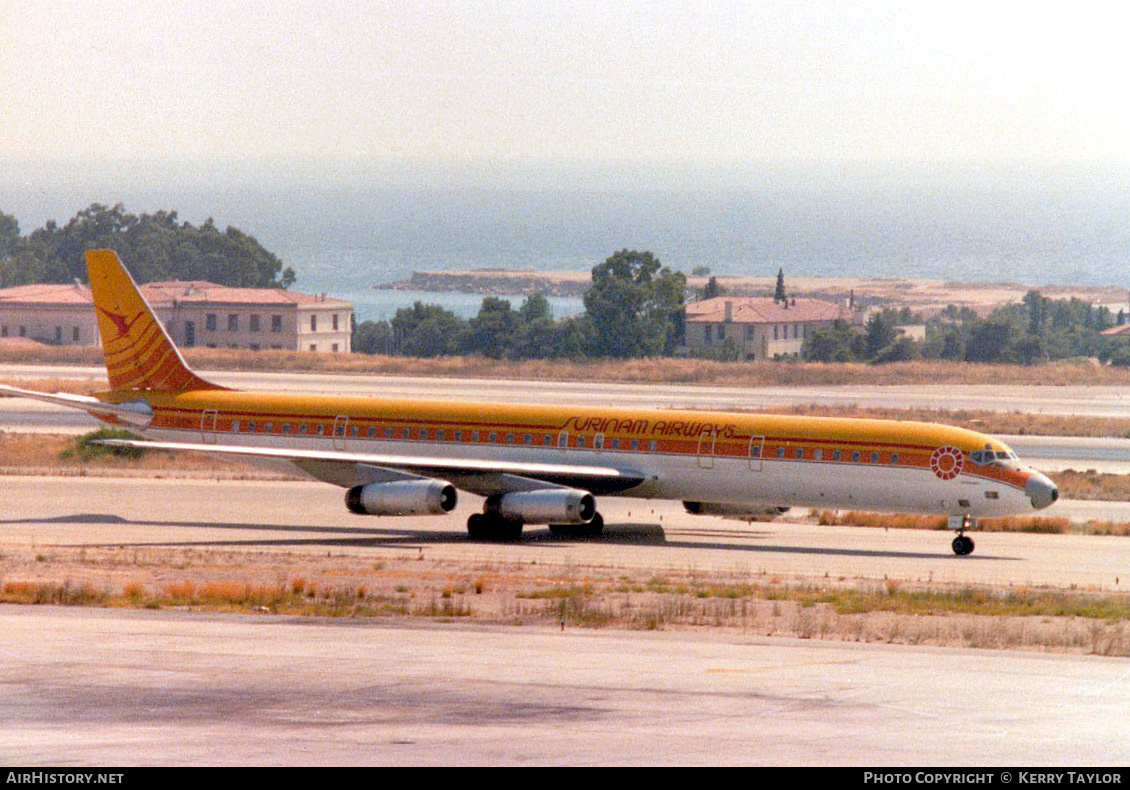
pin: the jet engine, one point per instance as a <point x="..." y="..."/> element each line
<point x="740" y="512"/>
<point x="402" y="498"/>
<point x="544" y="506"/>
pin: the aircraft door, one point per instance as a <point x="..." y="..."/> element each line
<point x="706" y="441"/>
<point x="341" y="428"/>
<point x="756" y="451"/>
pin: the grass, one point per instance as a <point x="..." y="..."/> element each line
<point x="896" y="611"/>
<point x="1042" y="525"/>
<point x="666" y="370"/>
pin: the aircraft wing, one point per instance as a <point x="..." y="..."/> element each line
<point x="136" y="412"/>
<point x="478" y="476"/>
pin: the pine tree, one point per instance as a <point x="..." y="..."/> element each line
<point x="780" y="296"/>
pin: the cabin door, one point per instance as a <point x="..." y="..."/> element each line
<point x="756" y="450"/>
<point x="341" y="426"/>
<point x="208" y="426"/>
<point x="706" y="441"/>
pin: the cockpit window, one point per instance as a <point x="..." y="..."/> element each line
<point x="994" y="458"/>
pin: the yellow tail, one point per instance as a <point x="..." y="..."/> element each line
<point x="140" y="355"/>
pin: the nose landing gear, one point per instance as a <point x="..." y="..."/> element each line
<point x="962" y="544"/>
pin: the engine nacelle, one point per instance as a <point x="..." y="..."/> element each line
<point x="545" y="506"/>
<point x="741" y="512"/>
<point x="402" y="498"/>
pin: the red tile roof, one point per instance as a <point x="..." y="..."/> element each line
<point x="163" y="294"/>
<point x="763" y="310"/>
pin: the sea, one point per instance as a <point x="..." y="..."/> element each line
<point x="348" y="237"/>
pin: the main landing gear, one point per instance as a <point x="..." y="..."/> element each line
<point x="492" y="526"/>
<point x="589" y="530"/>
<point x="962" y="544"/>
<point x="496" y="527"/>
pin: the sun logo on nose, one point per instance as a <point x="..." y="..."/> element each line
<point x="947" y="462"/>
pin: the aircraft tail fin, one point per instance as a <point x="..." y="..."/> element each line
<point x="140" y="355"/>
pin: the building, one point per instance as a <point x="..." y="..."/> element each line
<point x="194" y="314"/>
<point x="760" y="327"/>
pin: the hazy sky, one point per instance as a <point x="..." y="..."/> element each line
<point x="570" y="82"/>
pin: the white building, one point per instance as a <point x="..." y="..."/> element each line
<point x="194" y="313"/>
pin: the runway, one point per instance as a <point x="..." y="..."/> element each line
<point x="1046" y="453"/>
<point x="1099" y="401"/>
<point x="310" y="518"/>
<point x="87" y="687"/>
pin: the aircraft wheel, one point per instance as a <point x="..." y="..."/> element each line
<point x="482" y="526"/>
<point x="594" y="527"/>
<point x="962" y="545"/>
<point x="590" y="530"/>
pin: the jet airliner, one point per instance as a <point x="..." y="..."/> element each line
<point x="540" y="464"/>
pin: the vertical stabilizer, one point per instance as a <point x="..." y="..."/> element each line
<point x="140" y="355"/>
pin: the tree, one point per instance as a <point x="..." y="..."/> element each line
<point x="837" y="343"/>
<point x="427" y="330"/>
<point x="879" y="333"/>
<point x="711" y="290"/>
<point x="491" y="331"/>
<point x="9" y="235"/>
<point x="372" y="337"/>
<point x="779" y="295"/>
<point x="633" y="306"/>
<point x="154" y="246"/>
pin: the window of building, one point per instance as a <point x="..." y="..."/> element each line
<point x="233" y="322"/>
<point x="276" y="323"/>
<point x="335" y="321"/>
<point x="210" y="322"/>
<point x="313" y="323"/>
<point x="254" y="319"/>
<point x="75" y="335"/>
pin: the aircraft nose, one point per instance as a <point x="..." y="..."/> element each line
<point x="1041" y="491"/>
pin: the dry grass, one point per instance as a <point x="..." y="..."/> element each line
<point x="526" y="594"/>
<point x="1044" y="525"/>
<point x="667" y="370"/>
<point x="32" y="453"/>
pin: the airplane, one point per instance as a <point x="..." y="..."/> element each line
<point x="542" y="464"/>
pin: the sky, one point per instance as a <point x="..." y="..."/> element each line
<point x="327" y="85"/>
